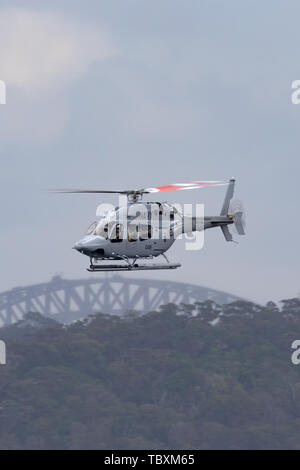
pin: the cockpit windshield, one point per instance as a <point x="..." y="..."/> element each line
<point x="91" y="228"/>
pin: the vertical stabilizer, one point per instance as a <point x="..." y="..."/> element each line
<point x="228" y="197"/>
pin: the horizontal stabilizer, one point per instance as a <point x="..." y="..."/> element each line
<point x="226" y="233"/>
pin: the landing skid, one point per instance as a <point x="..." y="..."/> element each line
<point x="135" y="267"/>
<point x="132" y="264"/>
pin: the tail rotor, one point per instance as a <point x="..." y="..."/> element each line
<point x="236" y="211"/>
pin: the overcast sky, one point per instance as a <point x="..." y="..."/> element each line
<point x="135" y="93"/>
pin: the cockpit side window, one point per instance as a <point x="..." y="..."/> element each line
<point x="91" y="228"/>
<point x="105" y="231"/>
<point x="102" y="229"/>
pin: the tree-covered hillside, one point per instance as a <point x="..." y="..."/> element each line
<point x="198" y="376"/>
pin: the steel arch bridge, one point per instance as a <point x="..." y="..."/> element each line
<point x="69" y="300"/>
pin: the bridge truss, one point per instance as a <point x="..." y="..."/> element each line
<point x="70" y="300"/>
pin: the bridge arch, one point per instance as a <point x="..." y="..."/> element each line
<point x="69" y="300"/>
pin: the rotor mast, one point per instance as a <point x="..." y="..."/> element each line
<point x="134" y="196"/>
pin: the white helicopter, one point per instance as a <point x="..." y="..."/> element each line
<point x="138" y="231"/>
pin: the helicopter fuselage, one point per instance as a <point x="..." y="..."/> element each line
<point x="138" y="230"/>
<point x="141" y="230"/>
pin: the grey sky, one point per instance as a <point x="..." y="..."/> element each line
<point x="122" y="94"/>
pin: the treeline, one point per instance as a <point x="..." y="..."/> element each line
<point x="200" y="376"/>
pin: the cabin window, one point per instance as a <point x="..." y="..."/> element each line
<point x="145" y="232"/>
<point x="132" y="233"/>
<point x="117" y="233"/>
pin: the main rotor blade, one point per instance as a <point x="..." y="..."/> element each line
<point x="183" y="186"/>
<point x="157" y="189"/>
<point x="87" y="191"/>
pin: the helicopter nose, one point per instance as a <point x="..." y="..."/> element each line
<point x="88" y="245"/>
<point x="78" y="246"/>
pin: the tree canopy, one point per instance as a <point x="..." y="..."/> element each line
<point x="201" y="376"/>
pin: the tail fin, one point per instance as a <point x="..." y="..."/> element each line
<point x="228" y="197"/>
